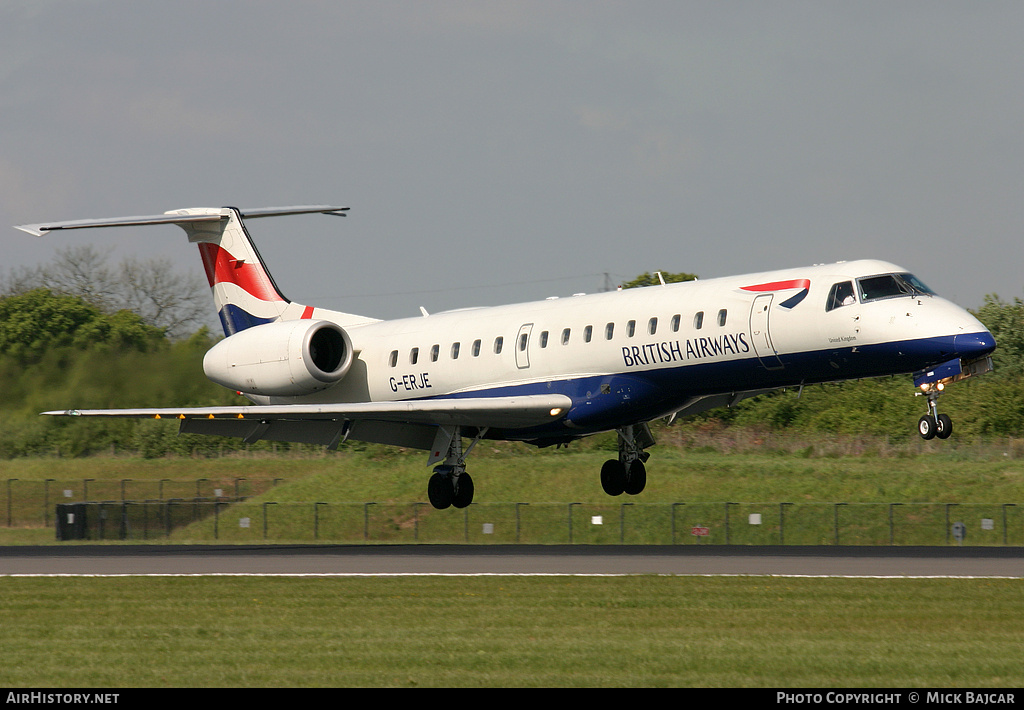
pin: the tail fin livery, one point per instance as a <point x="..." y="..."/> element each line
<point x="243" y="290"/>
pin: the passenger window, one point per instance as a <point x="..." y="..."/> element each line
<point x="393" y="358"/>
<point x="498" y="342"/>
<point x="565" y="337"/>
<point x="609" y="331"/>
<point x="675" y="323"/>
<point x="588" y="333"/>
<point x="652" y="326"/>
<point x="414" y="355"/>
<point x="523" y="339"/>
<point x="840" y="295"/>
<point x="476" y="348"/>
<point x="631" y="328"/>
<point x="698" y="320"/>
<point x="544" y="339"/>
<point x="721" y="317"/>
<point x="455" y="351"/>
<point x="434" y="352"/>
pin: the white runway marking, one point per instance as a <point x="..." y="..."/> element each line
<point x="508" y="574"/>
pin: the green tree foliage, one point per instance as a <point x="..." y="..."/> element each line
<point x="150" y="288"/>
<point x="1006" y="322"/>
<point x="649" y="279"/>
<point x="39" y="321"/>
<point x="101" y="376"/>
<point x="59" y="352"/>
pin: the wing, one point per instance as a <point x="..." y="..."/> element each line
<point x="411" y="423"/>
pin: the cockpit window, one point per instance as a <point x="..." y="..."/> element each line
<point x="917" y="284"/>
<point x="840" y="295"/>
<point x="892" y="286"/>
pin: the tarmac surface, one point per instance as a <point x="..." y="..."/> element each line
<point x="297" y="560"/>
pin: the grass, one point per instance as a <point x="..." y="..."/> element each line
<point x="515" y="472"/>
<point x="518" y="631"/>
<point x="510" y="632"/>
<point x="757" y="479"/>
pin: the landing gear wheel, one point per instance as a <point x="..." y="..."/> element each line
<point x="636" y="479"/>
<point x="943" y="426"/>
<point x="927" y="427"/>
<point x="613" y="477"/>
<point x="464" y="496"/>
<point x="440" y="491"/>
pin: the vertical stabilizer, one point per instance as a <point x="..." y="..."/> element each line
<point x="243" y="291"/>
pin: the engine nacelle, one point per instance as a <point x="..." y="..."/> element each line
<point x="284" y="358"/>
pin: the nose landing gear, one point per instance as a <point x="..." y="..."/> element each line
<point x="932" y="382"/>
<point x="933" y="424"/>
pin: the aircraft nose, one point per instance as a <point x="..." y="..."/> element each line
<point x="972" y="345"/>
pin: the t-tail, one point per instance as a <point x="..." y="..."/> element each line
<point x="243" y="290"/>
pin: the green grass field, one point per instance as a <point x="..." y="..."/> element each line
<point x="985" y="482"/>
<point x="506" y="472"/>
<point x="516" y="631"/>
<point x="510" y="632"/>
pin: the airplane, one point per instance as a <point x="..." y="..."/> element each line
<point x="552" y="371"/>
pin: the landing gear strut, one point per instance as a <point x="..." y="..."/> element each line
<point x="933" y="424"/>
<point x="450" y="485"/>
<point x="628" y="474"/>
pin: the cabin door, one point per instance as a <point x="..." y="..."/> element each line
<point x="760" y="337"/>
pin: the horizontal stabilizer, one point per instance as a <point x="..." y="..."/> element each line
<point x="179" y="217"/>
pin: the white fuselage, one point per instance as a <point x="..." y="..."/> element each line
<point x="658" y="349"/>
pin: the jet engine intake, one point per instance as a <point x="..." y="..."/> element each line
<point x="286" y="358"/>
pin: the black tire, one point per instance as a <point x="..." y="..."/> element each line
<point x="464" y="496"/>
<point x="440" y="491"/>
<point x="636" y="479"/>
<point x="943" y="426"/>
<point x="927" y="427"/>
<point x="613" y="477"/>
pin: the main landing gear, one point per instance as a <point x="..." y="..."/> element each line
<point x="628" y="474"/>
<point x="450" y="485"/>
<point x="933" y="424"/>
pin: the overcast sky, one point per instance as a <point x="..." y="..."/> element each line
<point x="496" y="152"/>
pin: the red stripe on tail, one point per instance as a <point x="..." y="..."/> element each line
<point x="221" y="267"/>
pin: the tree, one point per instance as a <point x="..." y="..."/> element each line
<point x="648" y="279"/>
<point x="39" y="321"/>
<point x="1006" y="323"/>
<point x="176" y="303"/>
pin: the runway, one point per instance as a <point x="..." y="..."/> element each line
<point x="354" y="560"/>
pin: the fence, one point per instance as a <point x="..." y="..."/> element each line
<point x="31" y="503"/>
<point x="722" y="523"/>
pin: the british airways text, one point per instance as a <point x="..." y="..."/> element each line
<point x="691" y="349"/>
